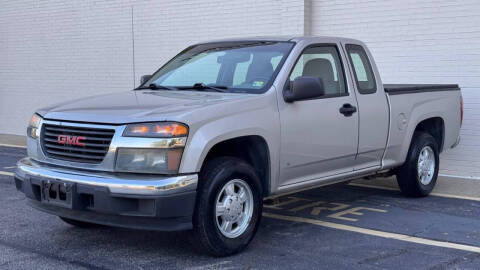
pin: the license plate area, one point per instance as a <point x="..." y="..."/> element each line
<point x="57" y="193"/>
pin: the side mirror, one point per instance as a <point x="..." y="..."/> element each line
<point x="145" y="78"/>
<point x="304" y="87"/>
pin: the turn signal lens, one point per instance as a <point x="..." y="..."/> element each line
<point x="33" y="126"/>
<point x="34" y="121"/>
<point x="139" y="130"/>
<point x="156" y="130"/>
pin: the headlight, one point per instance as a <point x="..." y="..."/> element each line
<point x="162" y="160"/>
<point x="33" y="125"/>
<point x="148" y="160"/>
<point x="156" y="130"/>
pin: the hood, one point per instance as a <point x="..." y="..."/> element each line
<point x="137" y="106"/>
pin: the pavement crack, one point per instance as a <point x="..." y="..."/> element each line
<point x="424" y="230"/>
<point x="383" y="256"/>
<point x="52" y="256"/>
<point x="449" y="264"/>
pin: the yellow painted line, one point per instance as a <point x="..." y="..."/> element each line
<point x="451" y="196"/>
<point x="6" y="173"/>
<point x="459" y="176"/>
<point x="455" y="196"/>
<point x="388" y="235"/>
<point x="13" y="145"/>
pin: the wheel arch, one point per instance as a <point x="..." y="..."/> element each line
<point x="434" y="126"/>
<point x="253" y="149"/>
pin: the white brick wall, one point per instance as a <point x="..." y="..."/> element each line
<point x="163" y="28"/>
<point x="427" y="41"/>
<point x="51" y="51"/>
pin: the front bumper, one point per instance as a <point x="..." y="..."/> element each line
<point x="124" y="200"/>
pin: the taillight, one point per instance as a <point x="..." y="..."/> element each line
<point x="461" y="110"/>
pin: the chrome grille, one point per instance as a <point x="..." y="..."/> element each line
<point x="95" y="143"/>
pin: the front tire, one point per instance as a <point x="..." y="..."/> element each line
<point x="228" y="207"/>
<point x="418" y="175"/>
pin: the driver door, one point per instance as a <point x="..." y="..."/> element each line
<point x="317" y="139"/>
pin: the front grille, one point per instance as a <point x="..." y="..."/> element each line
<point x="95" y="146"/>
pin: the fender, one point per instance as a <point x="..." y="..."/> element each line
<point x="424" y="107"/>
<point x="202" y="140"/>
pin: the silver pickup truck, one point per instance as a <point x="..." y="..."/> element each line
<point x="225" y="124"/>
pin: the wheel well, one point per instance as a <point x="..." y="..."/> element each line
<point x="435" y="127"/>
<point x="252" y="149"/>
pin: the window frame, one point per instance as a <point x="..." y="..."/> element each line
<point x="367" y="65"/>
<point x="286" y="86"/>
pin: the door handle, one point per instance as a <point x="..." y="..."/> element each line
<point x="347" y="109"/>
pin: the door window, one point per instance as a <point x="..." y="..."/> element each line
<point x="323" y="62"/>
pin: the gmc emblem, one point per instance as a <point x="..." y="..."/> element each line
<point x="71" y="140"/>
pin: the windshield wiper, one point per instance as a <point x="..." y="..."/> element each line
<point x="202" y="86"/>
<point x="153" y="86"/>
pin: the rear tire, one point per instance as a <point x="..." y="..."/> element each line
<point x="228" y="207"/>
<point x="418" y="175"/>
<point x="79" y="224"/>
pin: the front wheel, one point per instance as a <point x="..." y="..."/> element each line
<point x="228" y="208"/>
<point x="418" y="175"/>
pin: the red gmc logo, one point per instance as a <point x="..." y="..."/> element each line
<point x="71" y="140"/>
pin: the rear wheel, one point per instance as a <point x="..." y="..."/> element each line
<point x="228" y="208"/>
<point x="418" y="175"/>
<point x="80" y="224"/>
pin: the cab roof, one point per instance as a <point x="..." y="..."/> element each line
<point x="322" y="39"/>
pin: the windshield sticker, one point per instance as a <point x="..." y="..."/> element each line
<point x="257" y="84"/>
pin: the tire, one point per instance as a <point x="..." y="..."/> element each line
<point x="79" y="224"/>
<point x="416" y="178"/>
<point x="216" y="179"/>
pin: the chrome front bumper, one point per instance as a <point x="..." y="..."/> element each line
<point x="126" y="184"/>
<point x="124" y="200"/>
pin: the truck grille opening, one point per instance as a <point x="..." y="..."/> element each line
<point x="78" y="144"/>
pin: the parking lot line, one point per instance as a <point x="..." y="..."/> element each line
<point x="383" y="234"/>
<point x="6" y="173"/>
<point x="432" y="194"/>
<point x="459" y="176"/>
<point x="12" y="145"/>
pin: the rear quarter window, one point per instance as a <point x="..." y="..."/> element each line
<point x="362" y="69"/>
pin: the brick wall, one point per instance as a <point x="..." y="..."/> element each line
<point x="51" y="51"/>
<point x="428" y="41"/>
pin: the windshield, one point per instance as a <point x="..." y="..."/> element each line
<point x="248" y="67"/>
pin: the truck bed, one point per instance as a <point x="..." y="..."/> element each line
<point x="397" y="89"/>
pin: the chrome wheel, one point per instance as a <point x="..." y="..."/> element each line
<point x="426" y="165"/>
<point x="234" y="208"/>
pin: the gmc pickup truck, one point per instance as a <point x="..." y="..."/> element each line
<point x="225" y="124"/>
